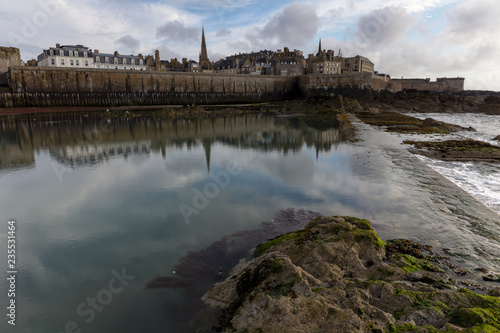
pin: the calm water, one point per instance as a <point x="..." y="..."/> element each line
<point x="95" y="199"/>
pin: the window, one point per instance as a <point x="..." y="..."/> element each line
<point x="85" y="54"/>
<point x="133" y="61"/>
<point x="124" y="61"/>
<point x="106" y="60"/>
<point x="87" y="63"/>
<point x="62" y="61"/>
<point x="71" y="62"/>
<point x="141" y="62"/>
<point x="116" y="67"/>
<point x="116" y="60"/>
<point x="78" y="62"/>
<point x="98" y="60"/>
<point x="51" y="52"/>
<point x="61" y="52"/>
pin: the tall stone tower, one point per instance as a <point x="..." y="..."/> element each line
<point x="204" y="61"/>
<point x="157" y="61"/>
<point x="9" y="56"/>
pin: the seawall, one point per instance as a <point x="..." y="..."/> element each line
<point x="48" y="87"/>
<point x="40" y="86"/>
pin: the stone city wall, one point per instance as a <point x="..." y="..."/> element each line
<point x="440" y="85"/>
<point x="38" y="86"/>
<point x="45" y="87"/>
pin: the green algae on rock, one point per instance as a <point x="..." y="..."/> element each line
<point x="335" y="275"/>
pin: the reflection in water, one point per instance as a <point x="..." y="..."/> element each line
<point x="81" y="139"/>
<point x="198" y="271"/>
<point x="117" y="203"/>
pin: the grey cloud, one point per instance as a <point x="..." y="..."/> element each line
<point x="474" y="18"/>
<point x="176" y="31"/>
<point x="294" y="26"/>
<point x="216" y="56"/>
<point x="129" y="42"/>
<point x="224" y="32"/>
<point x="384" y="26"/>
<point x="239" y="46"/>
<point x="167" y="54"/>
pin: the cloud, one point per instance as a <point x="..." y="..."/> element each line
<point x="176" y="31"/>
<point x="167" y="54"/>
<point x="384" y="26"/>
<point x="129" y="42"/>
<point x="293" y="26"/>
<point x="474" y="19"/>
<point x="224" y="32"/>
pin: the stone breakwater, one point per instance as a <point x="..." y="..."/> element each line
<point x="336" y="275"/>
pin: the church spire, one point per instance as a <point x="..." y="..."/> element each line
<point x="204" y="62"/>
<point x="319" y="48"/>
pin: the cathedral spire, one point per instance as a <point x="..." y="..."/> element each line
<point x="204" y="62"/>
<point x="319" y="48"/>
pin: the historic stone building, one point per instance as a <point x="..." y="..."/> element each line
<point x="324" y="62"/>
<point x="357" y="64"/>
<point x="289" y="63"/>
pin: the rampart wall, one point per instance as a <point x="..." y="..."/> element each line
<point x="45" y="87"/>
<point x="440" y="85"/>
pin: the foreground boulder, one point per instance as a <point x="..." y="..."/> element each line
<point x="336" y="275"/>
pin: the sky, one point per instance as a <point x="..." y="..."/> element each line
<point x="403" y="38"/>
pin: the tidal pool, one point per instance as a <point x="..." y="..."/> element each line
<point x="104" y="206"/>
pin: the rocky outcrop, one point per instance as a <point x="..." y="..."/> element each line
<point x="397" y="122"/>
<point x="336" y="275"/>
<point x="457" y="150"/>
<point x="428" y="102"/>
<point x="441" y="125"/>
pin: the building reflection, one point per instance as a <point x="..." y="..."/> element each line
<point x="80" y="139"/>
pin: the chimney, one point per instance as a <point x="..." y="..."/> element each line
<point x="116" y="54"/>
<point x="96" y="51"/>
<point x="141" y="56"/>
<point x="58" y="45"/>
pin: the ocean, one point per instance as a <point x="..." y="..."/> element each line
<point x="479" y="179"/>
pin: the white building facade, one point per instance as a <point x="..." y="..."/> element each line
<point x="79" y="56"/>
<point x="67" y="56"/>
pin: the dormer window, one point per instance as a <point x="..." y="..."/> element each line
<point x="85" y="54"/>
<point x="124" y="61"/>
<point x="106" y="60"/>
<point x="61" y="52"/>
<point x="116" y="61"/>
<point x="51" y="52"/>
<point x="141" y="62"/>
<point x="98" y="59"/>
<point x="133" y="61"/>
